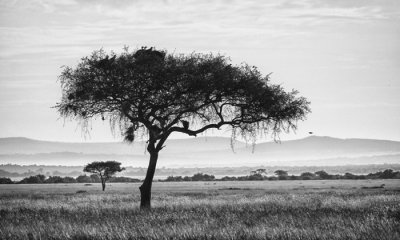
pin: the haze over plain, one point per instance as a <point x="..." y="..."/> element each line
<point x="205" y="152"/>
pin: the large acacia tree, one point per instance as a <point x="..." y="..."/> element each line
<point x="151" y="93"/>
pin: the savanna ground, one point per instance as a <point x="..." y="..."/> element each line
<point x="333" y="209"/>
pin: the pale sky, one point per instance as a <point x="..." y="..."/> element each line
<point x="343" y="55"/>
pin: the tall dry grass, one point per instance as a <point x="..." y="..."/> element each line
<point x="213" y="215"/>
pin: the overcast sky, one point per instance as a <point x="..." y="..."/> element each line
<point x="343" y="55"/>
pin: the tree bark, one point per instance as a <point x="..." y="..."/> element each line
<point x="103" y="184"/>
<point x="145" y="188"/>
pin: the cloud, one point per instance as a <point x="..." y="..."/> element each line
<point x="318" y="46"/>
<point x="361" y="13"/>
<point x="325" y="11"/>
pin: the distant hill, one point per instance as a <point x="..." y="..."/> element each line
<point x="205" y="151"/>
<point x="20" y="145"/>
<point x="323" y="147"/>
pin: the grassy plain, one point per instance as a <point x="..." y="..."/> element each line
<point x="333" y="209"/>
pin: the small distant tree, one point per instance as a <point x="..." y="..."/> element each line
<point x="83" y="179"/>
<point x="387" y="174"/>
<point x="281" y="173"/>
<point x="54" y="179"/>
<point x="4" y="180"/>
<point x="105" y="170"/>
<point x="203" y="177"/>
<point x="174" y="179"/>
<point x="34" y="179"/>
<point x="69" y="180"/>
<point x="349" y="176"/>
<point x="322" y="174"/>
<point x="257" y="174"/>
<point x="307" y="176"/>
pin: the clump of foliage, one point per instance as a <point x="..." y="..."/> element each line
<point x="386" y="174"/>
<point x="4" y="180"/>
<point x="58" y="179"/>
<point x="282" y="175"/>
<point x="34" y="179"/>
<point x="322" y="174"/>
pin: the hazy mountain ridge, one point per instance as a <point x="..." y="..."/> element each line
<point x="205" y="151"/>
<point x="20" y="145"/>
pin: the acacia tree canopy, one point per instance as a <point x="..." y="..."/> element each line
<point x="156" y="93"/>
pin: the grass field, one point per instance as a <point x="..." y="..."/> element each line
<point x="344" y="209"/>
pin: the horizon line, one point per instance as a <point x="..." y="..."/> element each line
<point x="189" y="138"/>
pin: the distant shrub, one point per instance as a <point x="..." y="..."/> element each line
<point x="195" y="177"/>
<point x="123" y="179"/>
<point x="174" y="179"/>
<point x="293" y="177"/>
<point x="84" y="179"/>
<point x="69" y="180"/>
<point x="95" y="178"/>
<point x="34" y="179"/>
<point x="388" y="174"/>
<point x="187" y="179"/>
<point x="307" y="176"/>
<point x="337" y="176"/>
<point x="4" y="180"/>
<point x="256" y="177"/>
<point x="227" y="178"/>
<point x="349" y="176"/>
<point x="322" y="174"/>
<point x="203" y="177"/>
<point x="281" y="173"/>
<point x="282" y="177"/>
<point x="54" y="179"/>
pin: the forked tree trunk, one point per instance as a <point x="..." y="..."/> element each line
<point x="145" y="189"/>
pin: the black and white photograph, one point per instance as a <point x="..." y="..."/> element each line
<point x="200" y="120"/>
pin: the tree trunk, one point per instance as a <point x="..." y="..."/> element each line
<point x="103" y="184"/>
<point x="145" y="189"/>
